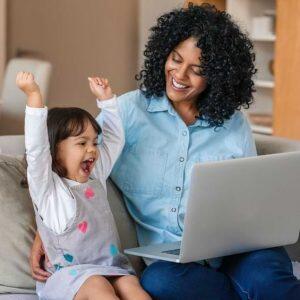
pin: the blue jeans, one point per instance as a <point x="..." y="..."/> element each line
<point x="264" y="274"/>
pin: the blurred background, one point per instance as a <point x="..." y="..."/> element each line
<point x="79" y="38"/>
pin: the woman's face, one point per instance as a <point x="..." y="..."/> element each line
<point x="182" y="71"/>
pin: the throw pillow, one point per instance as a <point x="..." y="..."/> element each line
<point x="17" y="228"/>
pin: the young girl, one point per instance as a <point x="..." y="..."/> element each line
<point x="67" y="173"/>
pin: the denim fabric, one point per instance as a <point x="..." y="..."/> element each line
<point x="263" y="274"/>
<point x="258" y="275"/>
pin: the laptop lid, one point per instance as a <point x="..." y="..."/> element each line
<point x="240" y="205"/>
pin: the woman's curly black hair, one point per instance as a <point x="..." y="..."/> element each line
<point x="227" y="59"/>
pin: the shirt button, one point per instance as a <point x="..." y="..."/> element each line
<point x="184" y="133"/>
<point x="178" y="188"/>
<point x="173" y="209"/>
<point x="181" y="159"/>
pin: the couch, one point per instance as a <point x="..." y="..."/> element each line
<point x="17" y="219"/>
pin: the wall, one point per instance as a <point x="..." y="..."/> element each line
<point x="2" y="37"/>
<point x="220" y="4"/>
<point x="80" y="38"/>
<point x="149" y="11"/>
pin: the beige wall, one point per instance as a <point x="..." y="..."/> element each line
<point x="80" y="38"/>
<point x="2" y="38"/>
<point x="149" y="11"/>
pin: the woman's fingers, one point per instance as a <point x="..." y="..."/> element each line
<point x="37" y="253"/>
<point x="37" y="272"/>
<point x="48" y="263"/>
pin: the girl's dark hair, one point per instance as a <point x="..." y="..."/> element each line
<point x="62" y="123"/>
<point x="227" y="59"/>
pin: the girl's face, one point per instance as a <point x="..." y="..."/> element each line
<point x="78" y="154"/>
<point x="182" y="71"/>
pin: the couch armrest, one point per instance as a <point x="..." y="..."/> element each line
<point x="271" y="144"/>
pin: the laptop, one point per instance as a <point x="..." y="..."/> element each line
<point x="236" y="206"/>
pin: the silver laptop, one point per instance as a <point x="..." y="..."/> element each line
<point x="236" y="206"/>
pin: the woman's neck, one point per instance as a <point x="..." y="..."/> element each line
<point x="187" y="111"/>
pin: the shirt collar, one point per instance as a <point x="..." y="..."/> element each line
<point x="157" y="104"/>
<point x="200" y="123"/>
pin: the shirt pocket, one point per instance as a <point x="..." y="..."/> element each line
<point x="141" y="170"/>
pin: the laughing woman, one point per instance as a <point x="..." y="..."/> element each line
<point x="197" y="76"/>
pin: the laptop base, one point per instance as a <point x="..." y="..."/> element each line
<point x="157" y="251"/>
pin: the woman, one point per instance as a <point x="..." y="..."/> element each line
<point x="196" y="77"/>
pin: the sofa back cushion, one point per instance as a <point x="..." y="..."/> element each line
<point x="125" y="224"/>
<point x="17" y="228"/>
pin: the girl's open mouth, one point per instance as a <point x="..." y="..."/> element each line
<point x="86" y="165"/>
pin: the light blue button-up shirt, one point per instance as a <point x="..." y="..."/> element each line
<point x="154" y="168"/>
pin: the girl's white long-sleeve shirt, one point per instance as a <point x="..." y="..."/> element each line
<point x="49" y="192"/>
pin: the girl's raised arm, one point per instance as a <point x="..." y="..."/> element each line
<point x="112" y="138"/>
<point x="39" y="171"/>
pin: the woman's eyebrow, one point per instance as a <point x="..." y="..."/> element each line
<point x="177" y="53"/>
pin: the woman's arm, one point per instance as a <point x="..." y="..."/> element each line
<point x="36" y="260"/>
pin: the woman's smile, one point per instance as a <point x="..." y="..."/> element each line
<point x="177" y="86"/>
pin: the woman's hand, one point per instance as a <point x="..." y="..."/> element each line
<point x="100" y="88"/>
<point x="36" y="258"/>
<point x="25" y="81"/>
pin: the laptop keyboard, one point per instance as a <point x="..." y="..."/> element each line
<point x="174" y="251"/>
